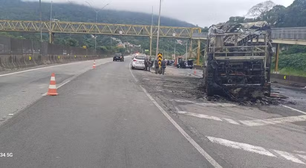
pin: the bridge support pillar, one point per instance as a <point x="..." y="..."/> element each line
<point x="51" y="37"/>
<point x="190" y="48"/>
<point x="277" y="57"/>
<point x="199" y="52"/>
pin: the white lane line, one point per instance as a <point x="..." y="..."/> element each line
<point x="207" y="104"/>
<point x="273" y="121"/>
<point x="289" y="156"/>
<point x="242" y="146"/>
<point x="193" y="142"/>
<point x="136" y="80"/>
<point x="36" y="69"/>
<point x="203" y="116"/>
<point x="231" y="121"/>
<point x="302" y="156"/>
<point x="294" y="109"/>
<point x="69" y="80"/>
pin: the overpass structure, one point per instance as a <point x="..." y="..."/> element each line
<point x="290" y="36"/>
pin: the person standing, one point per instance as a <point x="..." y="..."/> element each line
<point x="149" y="64"/>
<point x="146" y="63"/>
<point x="163" y="66"/>
<point x="156" y="66"/>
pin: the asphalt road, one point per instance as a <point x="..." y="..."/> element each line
<point x="102" y="118"/>
<point x="269" y="136"/>
<point x="116" y="117"/>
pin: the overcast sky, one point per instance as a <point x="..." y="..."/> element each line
<point x="200" y="12"/>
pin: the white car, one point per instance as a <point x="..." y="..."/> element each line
<point x="138" y="62"/>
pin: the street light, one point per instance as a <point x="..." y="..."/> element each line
<point x="158" y="29"/>
<point x="40" y="15"/>
<point x="97" y="11"/>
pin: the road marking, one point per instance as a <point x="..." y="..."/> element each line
<point x="132" y="73"/>
<point x="257" y="149"/>
<point x="65" y="82"/>
<point x="193" y="142"/>
<point x="231" y="121"/>
<point x="203" y="116"/>
<point x="207" y="104"/>
<point x="242" y="146"/>
<point x="200" y="115"/>
<point x="302" y="156"/>
<point x="273" y="121"/>
<point x="294" y="109"/>
<point x="289" y="156"/>
<point x="36" y="69"/>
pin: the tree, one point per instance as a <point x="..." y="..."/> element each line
<point x="275" y="16"/>
<point x="72" y="42"/>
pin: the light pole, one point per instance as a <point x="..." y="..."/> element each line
<point x="158" y="29"/>
<point x="97" y="11"/>
<point x="151" y="34"/>
<point x="40" y="15"/>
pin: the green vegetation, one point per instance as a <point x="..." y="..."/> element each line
<point x="21" y="10"/>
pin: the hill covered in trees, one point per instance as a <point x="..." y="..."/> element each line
<point x="23" y="10"/>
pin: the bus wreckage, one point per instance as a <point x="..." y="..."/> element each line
<point x="238" y="60"/>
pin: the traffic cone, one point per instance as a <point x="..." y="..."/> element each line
<point x="52" y="87"/>
<point x="94" y="65"/>
<point x="195" y="71"/>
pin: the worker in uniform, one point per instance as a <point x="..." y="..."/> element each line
<point x="163" y="66"/>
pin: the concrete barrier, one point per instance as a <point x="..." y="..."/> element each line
<point x="288" y="79"/>
<point x="13" y="62"/>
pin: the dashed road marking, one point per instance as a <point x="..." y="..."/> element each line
<point x="302" y="156"/>
<point x="200" y="115"/>
<point x="255" y="149"/>
<point x="207" y="104"/>
<point x="249" y="123"/>
<point x="289" y="156"/>
<point x="242" y="146"/>
<point x="300" y="111"/>
<point x="273" y="121"/>
<point x="231" y="121"/>
<point x="212" y="161"/>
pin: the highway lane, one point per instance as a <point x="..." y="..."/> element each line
<point x="20" y="89"/>
<point x="102" y="118"/>
<point x="242" y="136"/>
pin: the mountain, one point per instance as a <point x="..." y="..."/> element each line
<point x="21" y="10"/>
<point x="24" y="10"/>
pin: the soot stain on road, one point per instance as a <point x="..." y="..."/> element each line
<point x="176" y="86"/>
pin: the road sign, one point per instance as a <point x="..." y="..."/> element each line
<point x="160" y="58"/>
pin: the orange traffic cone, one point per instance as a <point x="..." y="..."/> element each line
<point x="94" y="65"/>
<point x="52" y="87"/>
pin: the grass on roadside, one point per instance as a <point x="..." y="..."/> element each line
<point x="293" y="72"/>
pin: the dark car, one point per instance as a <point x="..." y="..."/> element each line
<point x="118" y="57"/>
<point x="185" y="64"/>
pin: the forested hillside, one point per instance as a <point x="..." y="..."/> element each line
<point x="20" y="10"/>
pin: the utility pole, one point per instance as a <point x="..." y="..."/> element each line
<point x="40" y="18"/>
<point x="151" y="34"/>
<point x="186" y="50"/>
<point x="97" y="11"/>
<point x="51" y="16"/>
<point x="158" y="30"/>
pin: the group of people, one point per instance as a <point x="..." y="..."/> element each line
<point x="158" y="70"/>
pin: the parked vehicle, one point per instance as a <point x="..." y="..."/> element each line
<point x="138" y="62"/>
